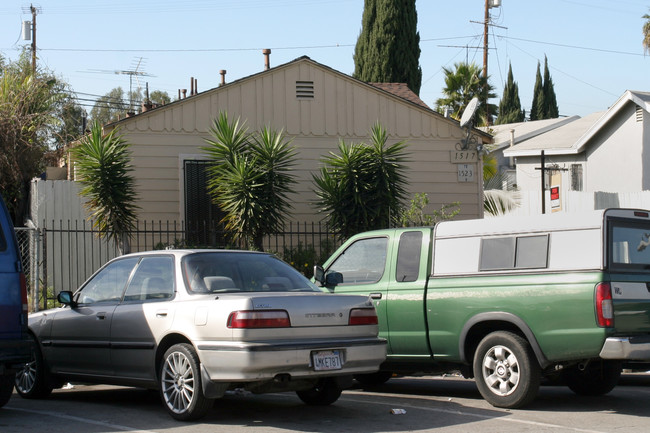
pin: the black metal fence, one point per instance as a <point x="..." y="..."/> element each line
<point x="63" y="255"/>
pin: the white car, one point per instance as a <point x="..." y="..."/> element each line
<point x="197" y="323"/>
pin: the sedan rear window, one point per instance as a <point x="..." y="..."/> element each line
<point x="221" y="272"/>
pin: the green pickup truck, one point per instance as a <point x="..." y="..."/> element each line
<point x="508" y="301"/>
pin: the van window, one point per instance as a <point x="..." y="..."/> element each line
<point x="408" y="257"/>
<point x="3" y="241"/>
<point x="514" y="252"/>
<point x="628" y="245"/>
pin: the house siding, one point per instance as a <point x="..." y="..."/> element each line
<point x="341" y="108"/>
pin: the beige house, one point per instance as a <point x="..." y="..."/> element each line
<point x="315" y="105"/>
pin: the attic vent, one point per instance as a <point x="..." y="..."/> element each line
<point x="639" y="114"/>
<point x="305" y="89"/>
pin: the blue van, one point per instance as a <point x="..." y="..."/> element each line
<point x="15" y="347"/>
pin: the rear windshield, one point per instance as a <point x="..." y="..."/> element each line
<point x="629" y="245"/>
<point x="222" y="272"/>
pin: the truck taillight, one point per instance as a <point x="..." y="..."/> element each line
<point x="604" y="305"/>
<point x="259" y="319"/>
<point x="363" y="316"/>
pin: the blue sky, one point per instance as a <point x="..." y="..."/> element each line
<point x="593" y="46"/>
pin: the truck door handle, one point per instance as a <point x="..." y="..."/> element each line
<point x="375" y="295"/>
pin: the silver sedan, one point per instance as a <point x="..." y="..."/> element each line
<point x="197" y="323"/>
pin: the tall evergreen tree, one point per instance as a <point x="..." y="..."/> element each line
<point x="538" y="92"/>
<point x="550" y="101"/>
<point x="510" y="105"/>
<point x="388" y="47"/>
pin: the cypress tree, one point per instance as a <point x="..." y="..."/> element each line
<point x="538" y="92"/>
<point x="550" y="101"/>
<point x="388" y="47"/>
<point x="510" y="104"/>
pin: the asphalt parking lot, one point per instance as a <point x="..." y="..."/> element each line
<point x="441" y="404"/>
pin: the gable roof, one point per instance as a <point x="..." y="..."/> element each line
<point x="515" y="133"/>
<point x="571" y="138"/>
<point x="393" y="90"/>
<point x="402" y="90"/>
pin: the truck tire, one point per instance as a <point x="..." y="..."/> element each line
<point x="6" y="388"/>
<point x="505" y="370"/>
<point x="598" y="377"/>
<point x="373" y="379"/>
<point x="326" y="392"/>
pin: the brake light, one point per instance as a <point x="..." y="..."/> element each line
<point x="604" y="305"/>
<point x="259" y="319"/>
<point x="363" y="316"/>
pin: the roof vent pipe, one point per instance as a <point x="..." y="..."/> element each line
<point x="267" y="58"/>
<point x="223" y="76"/>
<point x="184" y="93"/>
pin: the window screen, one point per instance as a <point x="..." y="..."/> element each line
<point x="497" y="253"/>
<point x="514" y="252"/>
<point x="408" y="257"/>
<point x="532" y="252"/>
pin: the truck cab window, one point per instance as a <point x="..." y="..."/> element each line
<point x="362" y="262"/>
<point x="408" y="257"/>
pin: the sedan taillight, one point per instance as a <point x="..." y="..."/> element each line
<point x="259" y="319"/>
<point x="604" y="305"/>
<point x="363" y="316"/>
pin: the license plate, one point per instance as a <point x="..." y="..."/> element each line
<point x="326" y="360"/>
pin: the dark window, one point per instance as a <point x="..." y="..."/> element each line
<point x="576" y="177"/>
<point x="202" y="216"/>
<point x="408" y="256"/>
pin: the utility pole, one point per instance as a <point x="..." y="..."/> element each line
<point x="27" y="36"/>
<point x="33" y="9"/>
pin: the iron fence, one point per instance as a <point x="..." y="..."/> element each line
<point x="66" y="253"/>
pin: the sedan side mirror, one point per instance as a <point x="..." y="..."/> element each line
<point x="65" y="298"/>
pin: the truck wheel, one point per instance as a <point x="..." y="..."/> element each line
<point x="6" y="388"/>
<point x="32" y="381"/>
<point x="598" y="377"/>
<point x="506" y="371"/>
<point x="180" y="384"/>
<point x="326" y="392"/>
<point x="373" y="379"/>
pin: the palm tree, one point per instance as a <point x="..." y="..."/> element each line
<point x="363" y="186"/>
<point x="646" y="33"/>
<point x="461" y="85"/>
<point x="250" y="178"/>
<point x="102" y="167"/>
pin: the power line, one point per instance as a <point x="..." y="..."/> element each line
<point x="555" y="44"/>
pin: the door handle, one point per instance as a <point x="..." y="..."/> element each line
<point x="375" y="295"/>
<point x="101" y="316"/>
<point x="161" y="313"/>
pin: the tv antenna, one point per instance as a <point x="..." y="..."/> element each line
<point x="135" y="71"/>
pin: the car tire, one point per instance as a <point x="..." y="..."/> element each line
<point x="374" y="379"/>
<point x="32" y="381"/>
<point x="326" y="392"/>
<point x="6" y="388"/>
<point x="598" y="377"/>
<point x="181" y="388"/>
<point x="505" y="370"/>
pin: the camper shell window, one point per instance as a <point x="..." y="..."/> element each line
<point x="628" y="245"/>
<point x="514" y="252"/>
